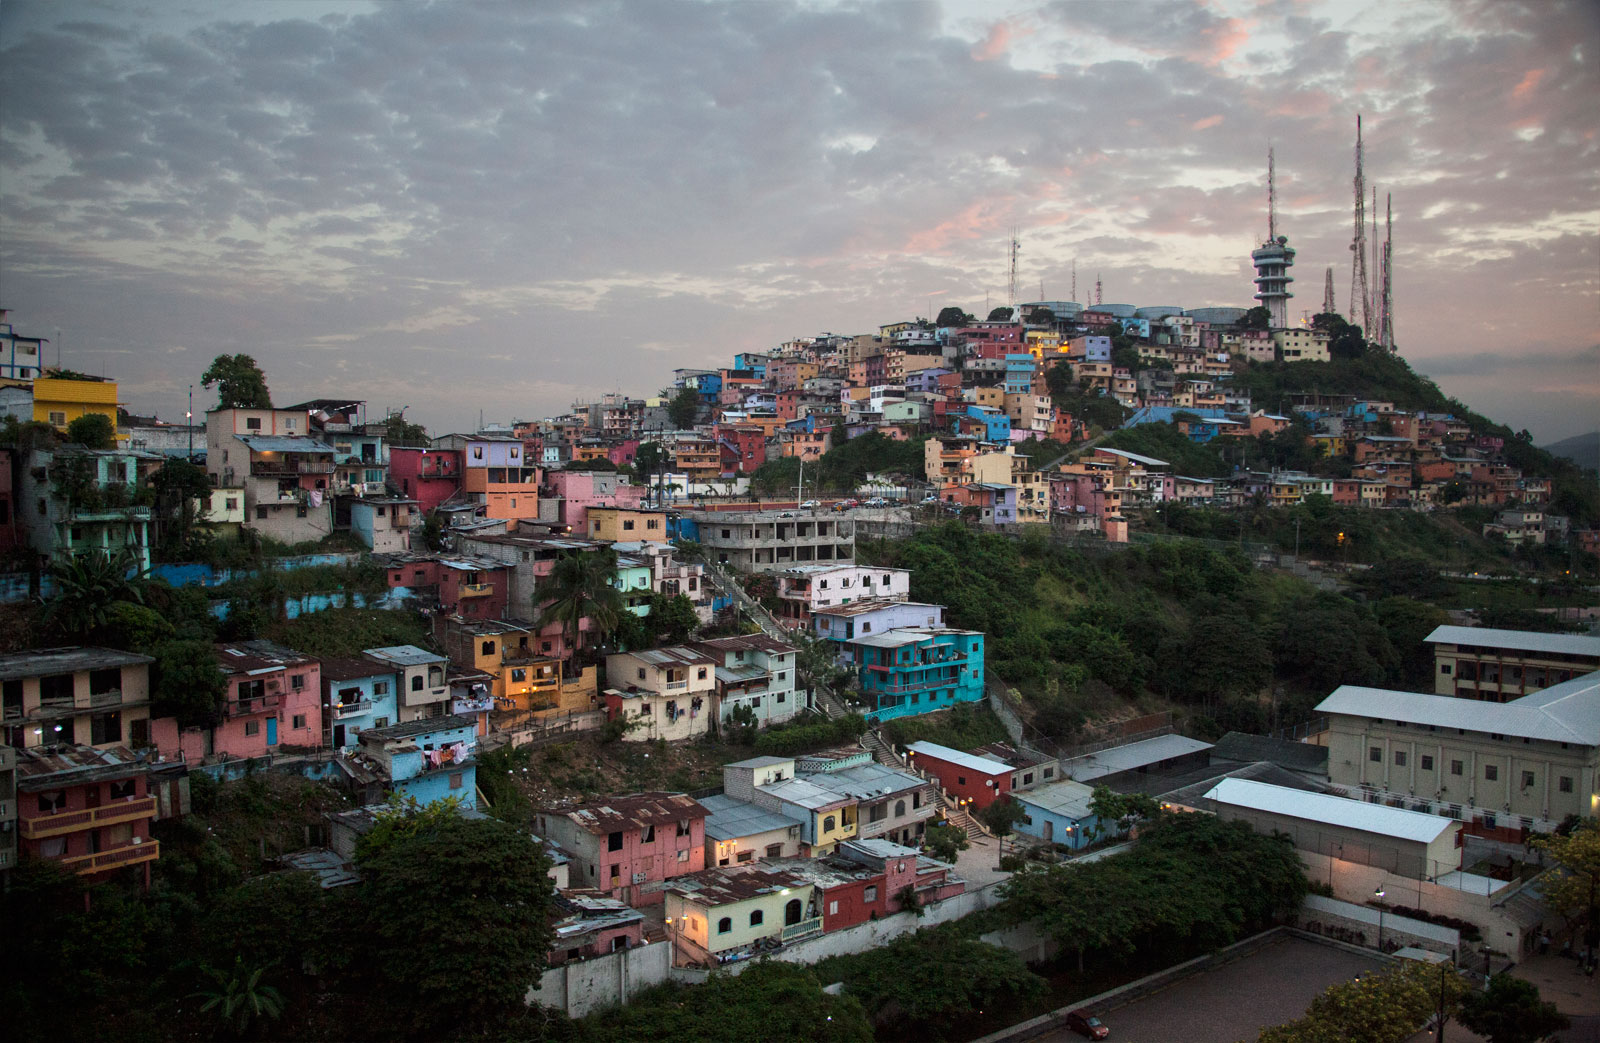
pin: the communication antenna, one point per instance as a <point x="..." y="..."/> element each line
<point x="1386" y="302"/>
<point x="1272" y="198"/>
<point x="1377" y="266"/>
<point x="1011" y="281"/>
<point x="1360" y="298"/>
<point x="1329" y="305"/>
<point x="1097" y="290"/>
<point x="1074" y="280"/>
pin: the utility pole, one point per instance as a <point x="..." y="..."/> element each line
<point x="189" y="416"/>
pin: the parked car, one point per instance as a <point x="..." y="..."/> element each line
<point x="845" y="505"/>
<point x="930" y="500"/>
<point x="877" y="501"/>
<point x="1086" y="1024"/>
<point x="810" y="505"/>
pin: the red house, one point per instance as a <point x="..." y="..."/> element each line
<point x="867" y="877"/>
<point x="589" y="923"/>
<point x="88" y="809"/>
<point x="474" y="588"/>
<point x="974" y="777"/>
<point x="429" y="476"/>
<point x="630" y="846"/>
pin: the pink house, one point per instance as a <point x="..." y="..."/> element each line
<point x="629" y="846"/>
<point x="273" y="704"/>
<point x="429" y="476"/>
<point x="591" y="923"/>
<point x="574" y="492"/>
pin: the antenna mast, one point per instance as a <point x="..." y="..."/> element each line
<point x="1359" y="294"/>
<point x="1386" y="300"/>
<point x="1329" y="305"/>
<point x="1074" y="297"/>
<point x="1011" y="282"/>
<point x="1097" y="299"/>
<point x="1272" y="199"/>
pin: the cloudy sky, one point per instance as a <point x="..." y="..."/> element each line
<point x="473" y="206"/>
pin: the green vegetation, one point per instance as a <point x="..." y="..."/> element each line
<point x="961" y="727"/>
<point x="1382" y="1007"/>
<point x="770" y="1000"/>
<point x="684" y="408"/>
<point x="844" y="467"/>
<point x="338" y="632"/>
<point x="93" y="431"/>
<point x="1510" y="1011"/>
<point x="239" y="382"/>
<point x="809" y="733"/>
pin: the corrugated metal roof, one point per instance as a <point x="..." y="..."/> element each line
<point x="731" y="818"/>
<point x="986" y="765"/>
<point x="1067" y="798"/>
<point x="1148" y="461"/>
<point x="1518" y="640"/>
<point x="42" y="661"/>
<point x="1567" y="712"/>
<point x="1134" y="755"/>
<point x="284" y="444"/>
<point x="1331" y="810"/>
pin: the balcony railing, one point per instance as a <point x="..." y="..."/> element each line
<point x="801" y="929"/>
<point x="260" y="704"/>
<point x="111" y="698"/>
<point x="314" y="467"/>
<point x="677" y="686"/>
<point x="133" y="854"/>
<point x="476" y="590"/>
<point x="59" y="822"/>
<point x="343" y="710"/>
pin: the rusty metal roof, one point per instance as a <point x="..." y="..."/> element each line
<point x="635" y="811"/>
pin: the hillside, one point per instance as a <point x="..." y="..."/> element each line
<point x="1583" y="450"/>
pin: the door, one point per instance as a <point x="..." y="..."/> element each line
<point x="338" y="736"/>
<point x="1049" y="830"/>
<point x="272" y="731"/>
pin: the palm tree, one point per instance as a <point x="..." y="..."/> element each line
<point x="87" y="586"/>
<point x="582" y="585"/>
<point x="238" y="996"/>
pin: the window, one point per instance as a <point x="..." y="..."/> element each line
<point x="827" y="824"/>
<point x="649" y="835"/>
<point x="488" y="648"/>
<point x="518" y="674"/>
<point x="878" y="813"/>
<point x="871" y="893"/>
<point x="261" y="514"/>
<point x="1027" y="778"/>
<point x="1375" y="754"/>
<point x="1399" y="758"/>
<point x="1456" y="767"/>
<point x="756" y="916"/>
<point x="1427" y="762"/>
<point x="105" y="728"/>
<point x="641" y="673"/>
<point x="701" y="674"/>
<point x="416" y="683"/>
<point x="252" y="423"/>
<point x="252" y="727"/>
<point x="297" y="682"/>
<point x="685" y="827"/>
<point x="725" y="925"/>
<point x="455" y="780"/>
<point x="55" y="800"/>
<point x="380" y="722"/>
<point x="683" y="856"/>
<point x="124" y="789"/>
<point x="1527" y="779"/>
<point x="299" y="720"/>
<point x="1564" y="784"/>
<point x="1491" y="772"/>
<point x="1444" y="668"/>
<point x="614" y="842"/>
<point x="1049" y="773"/>
<point x="380" y="688"/>
<point x="833" y="908"/>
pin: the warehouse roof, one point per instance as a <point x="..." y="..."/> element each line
<point x="1331" y="810"/>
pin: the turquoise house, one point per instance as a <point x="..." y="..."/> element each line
<point x="914" y="670"/>
<point x="429" y="759"/>
<point x="633" y="580"/>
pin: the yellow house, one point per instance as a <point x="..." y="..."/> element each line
<point x="58" y="402"/>
<point x="718" y="911"/>
<point x="522" y="679"/>
<point x="625" y="524"/>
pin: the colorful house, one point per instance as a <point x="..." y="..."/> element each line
<point x="429" y="759"/>
<point x="1059" y="813"/>
<point x="383" y="524"/>
<point x="423" y="688"/>
<point x="287" y="475"/>
<point x="916" y="670"/>
<point x="85" y="501"/>
<point x="97" y="697"/>
<point x="738" y="832"/>
<point x="495" y="474"/>
<point x="58" y="401"/>
<point x="757" y="672"/>
<point x="971" y="777"/>
<point x="431" y="476"/>
<point x="357" y="694"/>
<point x="664" y="693"/>
<point x="273" y="699"/>
<point x="588" y="923"/>
<point x="719" y="915"/>
<point x="842" y="623"/>
<point x="630" y="846"/>
<point x="88" y="810"/>
<point x="625" y="524"/>
<point x="803" y="590"/>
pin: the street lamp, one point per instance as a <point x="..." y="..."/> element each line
<point x="1378" y="894"/>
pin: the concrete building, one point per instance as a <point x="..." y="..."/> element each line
<point x="629" y="846"/>
<point x="1407" y="843"/>
<point x="664" y="693"/>
<point x="722" y="914"/>
<point x="803" y="590"/>
<point x="8" y="809"/>
<point x="914" y="670"/>
<point x="287" y="475"/>
<point x="844" y="623"/>
<point x="75" y="502"/>
<point x="771" y="541"/>
<point x="383" y="524"/>
<point x="1514" y="766"/>
<point x="89" y="810"/>
<point x="1059" y="813"/>
<point x="1501" y="665"/>
<point x="423" y="690"/>
<point x="428" y="759"/>
<point x="97" y="697"/>
<point x="756" y="672"/>
<point x="357" y="694"/>
<point x="738" y="833"/>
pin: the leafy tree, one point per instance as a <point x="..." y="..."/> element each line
<point x="1000" y="314"/>
<point x="945" y="842"/>
<point x="188" y="684"/>
<point x="87" y="586"/>
<point x="451" y="926"/>
<point x="180" y="488"/>
<point x="684" y="409"/>
<point x="1041" y="317"/>
<point x="1384" y="1007"/>
<point x="239" y="381"/>
<point x="1408" y="624"/>
<point x="673" y="617"/>
<point x="1257" y="318"/>
<point x="433" y="532"/>
<point x="1575" y="891"/>
<point x="135" y="627"/>
<point x="952" y="318"/>
<point x="816" y="662"/>
<point x="93" y="431"/>
<point x="581" y="585"/>
<point x="1119" y="811"/>
<point x="1001" y="816"/>
<point x="770" y="1000"/>
<point x="399" y="431"/>
<point x="403" y="818"/>
<point x="237" y="996"/>
<point x="1510" y="1011"/>
<point x="741" y="726"/>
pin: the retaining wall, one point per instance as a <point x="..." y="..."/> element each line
<point x="584" y="986"/>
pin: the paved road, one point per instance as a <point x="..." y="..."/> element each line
<point x="1235" y="1001"/>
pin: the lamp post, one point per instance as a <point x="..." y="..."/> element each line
<point x="1378" y="894"/>
<point x="189" y="422"/>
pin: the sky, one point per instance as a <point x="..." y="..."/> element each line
<point x="474" y="208"/>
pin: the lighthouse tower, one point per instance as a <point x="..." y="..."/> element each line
<point x="1272" y="260"/>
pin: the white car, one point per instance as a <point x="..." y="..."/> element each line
<point x="810" y="505"/>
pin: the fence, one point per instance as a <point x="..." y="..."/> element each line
<point x="584" y="986"/>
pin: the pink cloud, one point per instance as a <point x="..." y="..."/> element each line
<point x="1529" y="84"/>
<point x="1205" y="124"/>
<point x="995" y="45"/>
<point x="980" y="219"/>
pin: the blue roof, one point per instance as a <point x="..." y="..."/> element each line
<point x="284" y="444"/>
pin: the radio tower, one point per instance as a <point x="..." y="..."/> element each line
<point x="1359" y="294"/>
<point x="1074" y="297"/>
<point x="1273" y="259"/>
<point x="1386" y="279"/>
<point x="1011" y="282"/>
<point x="1097" y="291"/>
<point x="1329" y="305"/>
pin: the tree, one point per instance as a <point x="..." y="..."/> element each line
<point x="684" y="409"/>
<point x="945" y="842"/>
<point x="238" y="997"/>
<point x="180" y="488"/>
<point x="397" y="430"/>
<point x="93" y="431"/>
<point x="1257" y="318"/>
<point x="1383" y="1007"/>
<point x="1122" y="810"/>
<point x="581" y="585"/>
<point x="673" y="618"/>
<point x="1575" y="891"/>
<point x="1000" y="314"/>
<point x="952" y="318"/>
<point x="188" y="684"/>
<point x="451" y="924"/>
<point x="87" y="586"/>
<point x="817" y="661"/>
<point x="1510" y="1011"/>
<point x="1041" y="317"/>
<point x="433" y="532"/>
<point x="1000" y="816"/>
<point x="239" y="381"/>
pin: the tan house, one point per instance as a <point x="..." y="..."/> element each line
<point x="665" y="693"/>
<point x="1500" y="665"/>
<point x="97" y="697"/>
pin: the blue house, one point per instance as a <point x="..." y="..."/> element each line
<point x="916" y="670"/>
<point x="1058" y="812"/>
<point x="1019" y="374"/>
<point x="429" y="759"/>
<point x="998" y="424"/>
<point x="357" y="694"/>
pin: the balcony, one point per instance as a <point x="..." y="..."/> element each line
<point x="132" y="855"/>
<point x="676" y="686"/>
<point x="314" y="467"/>
<point x="343" y="710"/>
<point x="59" y="822"/>
<point x="259" y="704"/>
<point x="801" y="929"/>
<point x="110" y="698"/>
<point x="476" y="590"/>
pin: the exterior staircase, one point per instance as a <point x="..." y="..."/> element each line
<point x="881" y="752"/>
<point x="825" y="702"/>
